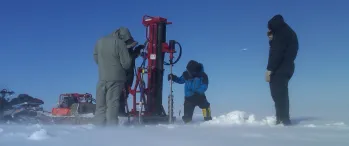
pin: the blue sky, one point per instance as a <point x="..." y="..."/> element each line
<point x="46" y="48"/>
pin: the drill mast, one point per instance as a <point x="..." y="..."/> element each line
<point x="150" y="100"/>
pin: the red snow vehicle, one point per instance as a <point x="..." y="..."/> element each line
<point x="70" y="104"/>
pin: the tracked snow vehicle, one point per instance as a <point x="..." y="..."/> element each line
<point x="22" y="109"/>
<point x="72" y="104"/>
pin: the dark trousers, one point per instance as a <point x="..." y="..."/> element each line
<point x="1" y="108"/>
<point x="123" y="100"/>
<point x="3" y="103"/>
<point x="279" y="92"/>
<point x="126" y="92"/>
<point x="189" y="106"/>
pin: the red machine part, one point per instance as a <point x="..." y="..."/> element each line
<point x="156" y="47"/>
<point x="60" y="111"/>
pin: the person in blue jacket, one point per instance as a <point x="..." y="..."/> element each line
<point x="196" y="84"/>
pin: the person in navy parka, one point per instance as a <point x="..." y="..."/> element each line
<point x="196" y="84"/>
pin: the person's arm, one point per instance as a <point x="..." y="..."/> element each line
<point x="125" y="57"/>
<point x="179" y="80"/>
<point x="276" y="53"/>
<point x="203" y="85"/>
<point x="136" y="51"/>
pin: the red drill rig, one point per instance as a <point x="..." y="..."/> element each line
<point x="150" y="105"/>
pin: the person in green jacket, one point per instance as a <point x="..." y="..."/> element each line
<point x="111" y="54"/>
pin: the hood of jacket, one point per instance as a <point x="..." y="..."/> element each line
<point x="194" y="68"/>
<point x="276" y="23"/>
<point x="124" y="34"/>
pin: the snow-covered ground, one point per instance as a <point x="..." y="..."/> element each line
<point x="236" y="128"/>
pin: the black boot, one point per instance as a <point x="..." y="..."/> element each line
<point x="186" y="119"/>
<point x="278" y="122"/>
<point x="277" y="115"/>
<point x="285" y="115"/>
<point x="122" y="112"/>
<point x="207" y="118"/>
<point x="287" y="122"/>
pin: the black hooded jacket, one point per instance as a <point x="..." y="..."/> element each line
<point x="283" y="47"/>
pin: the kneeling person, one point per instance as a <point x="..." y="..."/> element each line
<point x="196" y="84"/>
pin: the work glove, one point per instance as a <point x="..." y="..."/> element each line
<point x="172" y="76"/>
<point x="267" y="76"/>
<point x="138" y="49"/>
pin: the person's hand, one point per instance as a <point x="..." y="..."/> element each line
<point x="270" y="35"/>
<point x="138" y="49"/>
<point x="171" y="76"/>
<point x="267" y="76"/>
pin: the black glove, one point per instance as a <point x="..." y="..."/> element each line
<point x="138" y="49"/>
<point x="174" y="77"/>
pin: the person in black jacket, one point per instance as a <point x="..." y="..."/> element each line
<point x="280" y="68"/>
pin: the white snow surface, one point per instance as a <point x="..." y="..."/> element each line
<point x="236" y="128"/>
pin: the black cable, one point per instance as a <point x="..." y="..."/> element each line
<point x="179" y="57"/>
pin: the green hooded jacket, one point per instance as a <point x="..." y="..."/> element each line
<point x="112" y="56"/>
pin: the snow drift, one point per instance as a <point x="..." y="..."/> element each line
<point x="234" y="128"/>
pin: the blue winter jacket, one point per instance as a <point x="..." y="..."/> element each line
<point x="193" y="85"/>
